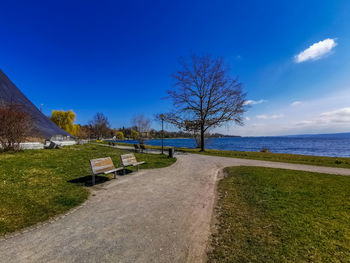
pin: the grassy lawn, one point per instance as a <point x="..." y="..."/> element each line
<point x="276" y="215"/>
<point x="34" y="183"/>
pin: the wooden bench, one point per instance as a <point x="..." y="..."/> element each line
<point x="130" y="160"/>
<point x="136" y="147"/>
<point x="142" y="147"/>
<point x="103" y="166"/>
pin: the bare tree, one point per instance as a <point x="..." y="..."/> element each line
<point x="205" y="96"/>
<point x="100" y="125"/>
<point x="142" y="123"/>
<point x="15" y="126"/>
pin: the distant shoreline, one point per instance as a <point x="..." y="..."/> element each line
<point x="173" y="138"/>
<point x="330" y="145"/>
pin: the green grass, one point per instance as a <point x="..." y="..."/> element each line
<point x="265" y="156"/>
<point x="34" y="183"/>
<point x="276" y="215"/>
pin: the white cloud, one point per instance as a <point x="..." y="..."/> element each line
<point x="316" y="51"/>
<point x="253" y="102"/>
<point x="247" y="118"/>
<point x="266" y="117"/>
<point x="276" y="116"/>
<point x="295" y="103"/>
<point x="329" y="113"/>
<point x="338" y="116"/>
<point x="262" y="117"/>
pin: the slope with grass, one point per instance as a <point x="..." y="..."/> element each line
<point x="276" y="215"/>
<point x="34" y="184"/>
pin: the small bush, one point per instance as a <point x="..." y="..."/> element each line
<point x="265" y="150"/>
<point x="15" y="126"/>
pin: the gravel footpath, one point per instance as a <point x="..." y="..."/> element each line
<point x="159" y="215"/>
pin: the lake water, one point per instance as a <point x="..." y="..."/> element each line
<point x="321" y="145"/>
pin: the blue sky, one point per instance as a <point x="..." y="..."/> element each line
<point x="293" y="57"/>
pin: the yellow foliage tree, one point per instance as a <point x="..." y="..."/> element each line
<point x="120" y="135"/>
<point x="134" y="135"/>
<point x="65" y="120"/>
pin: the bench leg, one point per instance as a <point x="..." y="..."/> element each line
<point x="93" y="179"/>
<point x="115" y="175"/>
<point x="137" y="168"/>
<point x="124" y="171"/>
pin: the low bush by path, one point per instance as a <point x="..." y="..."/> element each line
<point x="276" y="215"/>
<point x="34" y="184"/>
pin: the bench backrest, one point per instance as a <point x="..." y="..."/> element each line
<point x="142" y="146"/>
<point x="101" y="165"/>
<point x="128" y="159"/>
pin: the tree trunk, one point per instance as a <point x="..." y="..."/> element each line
<point x="202" y="138"/>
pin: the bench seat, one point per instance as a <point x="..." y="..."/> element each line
<point x="113" y="170"/>
<point x="135" y="164"/>
<point x="130" y="160"/>
<point x="103" y="166"/>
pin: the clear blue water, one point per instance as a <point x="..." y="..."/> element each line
<point x="320" y="145"/>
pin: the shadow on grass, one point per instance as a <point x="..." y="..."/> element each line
<point x="87" y="180"/>
<point x="124" y="172"/>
